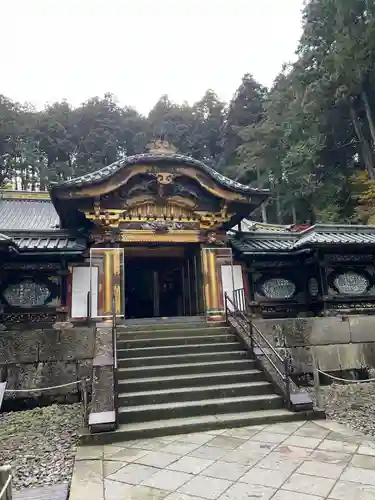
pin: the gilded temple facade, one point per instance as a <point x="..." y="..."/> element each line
<point x="148" y="234"/>
<point x="162" y="235"/>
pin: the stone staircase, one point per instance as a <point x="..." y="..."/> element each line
<point x="182" y="376"/>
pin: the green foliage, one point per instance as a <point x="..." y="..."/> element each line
<point x="310" y="139"/>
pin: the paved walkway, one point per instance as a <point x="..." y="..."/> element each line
<point x="292" y="461"/>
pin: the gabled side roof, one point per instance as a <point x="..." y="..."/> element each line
<point x="27" y="214"/>
<point x="30" y="223"/>
<point x="258" y="238"/>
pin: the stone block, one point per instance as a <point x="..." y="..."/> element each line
<point x="368" y="353"/>
<point x="59" y="372"/>
<point x="22" y="377"/>
<point x="362" y="328"/>
<point x="19" y="346"/>
<point x="39" y="375"/>
<point x="80" y="342"/>
<point x="339" y="357"/>
<point x="103" y="342"/>
<point x="84" y="368"/>
<point x="334" y="330"/>
<point x="50" y="346"/>
<point x="301" y="359"/>
<point x="291" y="331"/>
<point x="76" y="343"/>
<point x="296" y="332"/>
<point x="103" y="391"/>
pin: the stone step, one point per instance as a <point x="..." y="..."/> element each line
<point x="163" y="331"/>
<point x="190" y="380"/>
<point x="187" y="368"/>
<point x="147" y="413"/>
<point x="182" y="358"/>
<point x="194" y="393"/>
<point x="177" y="349"/>
<point x="160" y="323"/>
<point x="124" y="343"/>
<point x="172" y="426"/>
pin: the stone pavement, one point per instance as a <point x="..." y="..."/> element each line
<point x="286" y="461"/>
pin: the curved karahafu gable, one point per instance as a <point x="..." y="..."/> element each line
<point x="113" y="176"/>
<point x="147" y="159"/>
<point x="155" y="178"/>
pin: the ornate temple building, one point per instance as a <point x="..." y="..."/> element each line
<point x="161" y="235"/>
<point x="166" y="236"/>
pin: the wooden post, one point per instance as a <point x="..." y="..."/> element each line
<point x="5" y="473"/>
<point x="316" y="380"/>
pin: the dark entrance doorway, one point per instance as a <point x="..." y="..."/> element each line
<point x="163" y="286"/>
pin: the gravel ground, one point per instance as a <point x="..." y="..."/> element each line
<point x="40" y="444"/>
<point x="350" y="404"/>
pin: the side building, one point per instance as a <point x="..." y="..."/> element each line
<point x="311" y="290"/>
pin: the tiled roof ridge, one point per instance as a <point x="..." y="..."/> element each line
<point x="13" y="194"/>
<point x="109" y="170"/>
<point x="273" y="241"/>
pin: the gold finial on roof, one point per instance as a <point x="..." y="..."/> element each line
<point x="161" y="146"/>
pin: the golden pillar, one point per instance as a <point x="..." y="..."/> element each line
<point x="212" y="284"/>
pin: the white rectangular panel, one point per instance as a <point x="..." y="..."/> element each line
<point x="80" y="288"/>
<point x="232" y="279"/>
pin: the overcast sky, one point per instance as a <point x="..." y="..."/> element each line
<point x="141" y="49"/>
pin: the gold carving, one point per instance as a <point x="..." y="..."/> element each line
<point x="107" y="218"/>
<point x="161" y="146"/>
<point x="149" y="211"/>
<point x="149" y="236"/>
<point x="211" y="220"/>
<point x="163" y="177"/>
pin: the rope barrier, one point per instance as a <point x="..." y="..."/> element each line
<point x="46" y="388"/>
<point x="346" y="380"/>
<point x="5" y="487"/>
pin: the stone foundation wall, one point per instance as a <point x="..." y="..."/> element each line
<point x="338" y="343"/>
<point x="33" y="358"/>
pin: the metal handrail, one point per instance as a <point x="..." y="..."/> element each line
<point x="254" y="342"/>
<point x="88" y="306"/>
<point x="257" y="329"/>
<point x="114" y="354"/>
<point x="280" y="358"/>
<point x="114" y="325"/>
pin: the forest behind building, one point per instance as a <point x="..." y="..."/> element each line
<point x="310" y="139"/>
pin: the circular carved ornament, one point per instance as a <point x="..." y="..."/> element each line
<point x="351" y="283"/>
<point x="278" y="288"/>
<point x="26" y="293"/>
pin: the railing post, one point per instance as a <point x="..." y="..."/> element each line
<point x="251" y="333"/>
<point x="226" y="307"/>
<point x="88" y="306"/>
<point x="5" y="474"/>
<point x="84" y="392"/>
<point x="316" y="380"/>
<point x="287" y="381"/>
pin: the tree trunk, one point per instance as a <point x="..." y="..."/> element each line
<point x="278" y="205"/>
<point x="263" y="205"/>
<point x="364" y="145"/>
<point x="369" y="117"/>
<point x="294" y="214"/>
<point x="263" y="209"/>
